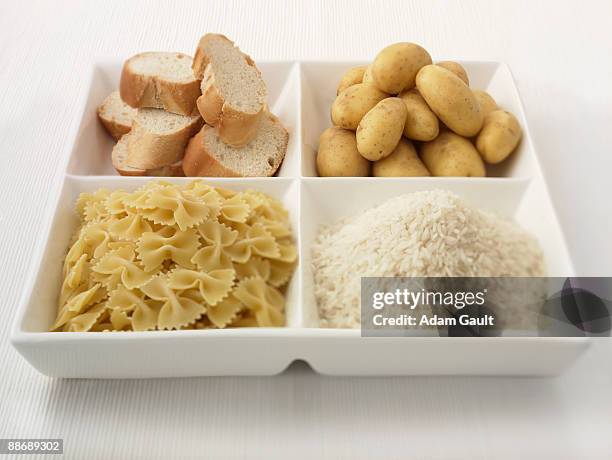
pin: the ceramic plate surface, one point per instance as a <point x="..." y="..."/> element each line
<point x="300" y="93"/>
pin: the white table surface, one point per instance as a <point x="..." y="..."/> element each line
<point x="559" y="53"/>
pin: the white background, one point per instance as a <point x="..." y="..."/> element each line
<point x="560" y="54"/>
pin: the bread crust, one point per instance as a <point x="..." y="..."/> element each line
<point x="172" y="170"/>
<point x="236" y="128"/>
<point x="210" y="103"/>
<point x="150" y="150"/>
<point x="109" y="120"/>
<point x="119" y="156"/>
<point x="141" y="91"/>
<point x="112" y="126"/>
<point x="198" y="162"/>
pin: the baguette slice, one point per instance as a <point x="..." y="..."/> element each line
<point x="116" y="116"/>
<point x="158" y="138"/>
<point x="233" y="92"/>
<point x="207" y="155"/>
<point x="119" y="158"/>
<point x="160" y="80"/>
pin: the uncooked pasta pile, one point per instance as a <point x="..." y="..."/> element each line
<point x="172" y="256"/>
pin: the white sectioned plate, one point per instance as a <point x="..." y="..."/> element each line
<point x="301" y="94"/>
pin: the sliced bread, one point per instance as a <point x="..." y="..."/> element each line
<point x="116" y="116"/>
<point x="158" y="138"/>
<point x="233" y="92"/>
<point x="119" y="159"/>
<point x="160" y="80"/>
<point x="207" y="155"/>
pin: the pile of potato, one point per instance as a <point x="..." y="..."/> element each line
<point x="384" y="111"/>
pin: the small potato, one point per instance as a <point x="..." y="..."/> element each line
<point x="403" y="162"/>
<point x="485" y="101"/>
<point x="450" y="99"/>
<point x="353" y="103"/>
<point x="338" y="155"/>
<point x="457" y="69"/>
<point x="452" y="155"/>
<point x="381" y="129"/>
<point x="351" y="77"/>
<point x="367" y="75"/>
<point x="395" y="67"/>
<point x="499" y="136"/>
<point x="421" y="123"/>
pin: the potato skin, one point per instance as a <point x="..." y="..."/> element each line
<point x="367" y="75"/>
<point x="450" y="99"/>
<point x="353" y="103"/>
<point x="485" y="101"/>
<point x="421" y="123"/>
<point x="403" y="162"/>
<point x="381" y="129"/>
<point x="395" y="67"/>
<point x="351" y="77"/>
<point x="452" y="155"/>
<point x="457" y="69"/>
<point x="499" y="136"/>
<point x="338" y="155"/>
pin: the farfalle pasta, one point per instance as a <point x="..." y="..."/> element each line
<point x="218" y="239"/>
<point x="169" y="256"/>
<point x="168" y="243"/>
<point x="266" y="303"/>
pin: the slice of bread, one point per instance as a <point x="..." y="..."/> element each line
<point x="207" y="155"/>
<point x="160" y="80"/>
<point x="158" y="138"/>
<point x="116" y="116"/>
<point x="119" y="158"/>
<point x="233" y="92"/>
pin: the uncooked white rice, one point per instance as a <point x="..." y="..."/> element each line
<point x="432" y="233"/>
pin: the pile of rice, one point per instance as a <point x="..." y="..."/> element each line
<point x="432" y="233"/>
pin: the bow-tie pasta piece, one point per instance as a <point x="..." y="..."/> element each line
<point x="265" y="302"/>
<point x="235" y="209"/>
<point x="198" y="188"/>
<point x="287" y="251"/>
<point x="257" y="241"/>
<point x="246" y="319"/>
<point x="214" y="286"/>
<point x="85" y="321"/>
<point x="254" y="199"/>
<point x="169" y="206"/>
<point x="266" y="207"/>
<point x="255" y="267"/>
<point x="120" y="266"/>
<point x="120" y="320"/>
<point x="78" y="304"/>
<point x="218" y="238"/>
<point x="177" y="310"/>
<point x="130" y="227"/>
<point x="142" y="311"/>
<point x="223" y="313"/>
<point x="76" y="251"/>
<point x="206" y="194"/>
<point x="280" y="272"/>
<point x="92" y="206"/>
<point x="277" y="229"/>
<point x="115" y="203"/>
<point x="96" y="239"/>
<point x="169" y="243"/>
<point x="139" y="199"/>
<point x="76" y="279"/>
